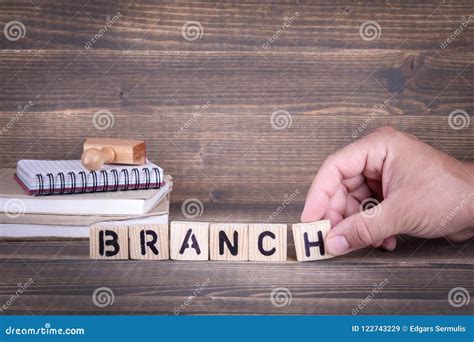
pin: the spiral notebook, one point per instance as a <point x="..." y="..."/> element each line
<point x="54" y="177"/>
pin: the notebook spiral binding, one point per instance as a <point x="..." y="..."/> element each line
<point x="114" y="185"/>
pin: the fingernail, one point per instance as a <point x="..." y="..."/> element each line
<point x="337" y="245"/>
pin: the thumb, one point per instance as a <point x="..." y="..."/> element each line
<point x="363" y="229"/>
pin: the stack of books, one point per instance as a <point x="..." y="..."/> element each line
<point x="60" y="198"/>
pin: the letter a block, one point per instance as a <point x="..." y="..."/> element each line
<point x="189" y="240"/>
<point x="108" y="242"/>
<point x="149" y="242"/>
<point x="267" y="242"/>
<point x="229" y="241"/>
<point x="309" y="240"/>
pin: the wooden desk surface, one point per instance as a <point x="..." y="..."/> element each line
<point x="205" y="108"/>
<point x="416" y="278"/>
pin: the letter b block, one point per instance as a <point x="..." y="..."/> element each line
<point x="149" y="242"/>
<point x="309" y="240"/>
<point x="108" y="242"/>
<point x="229" y="241"/>
<point x="189" y="240"/>
<point x="267" y="242"/>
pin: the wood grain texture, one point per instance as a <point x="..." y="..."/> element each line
<point x="420" y="273"/>
<point x="244" y="25"/>
<point x="204" y="107"/>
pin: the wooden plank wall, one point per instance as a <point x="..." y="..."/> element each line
<point x="205" y="106"/>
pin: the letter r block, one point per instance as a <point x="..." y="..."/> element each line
<point x="189" y="240"/>
<point x="309" y="240"/>
<point x="149" y="242"/>
<point x="267" y="242"/>
<point x="108" y="242"/>
<point x="229" y="241"/>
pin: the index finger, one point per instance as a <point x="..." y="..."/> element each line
<point x="365" y="156"/>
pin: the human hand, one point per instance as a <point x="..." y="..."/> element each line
<point x="422" y="192"/>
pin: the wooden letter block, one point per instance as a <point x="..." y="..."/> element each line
<point x="108" y="242"/>
<point x="229" y="241"/>
<point x="189" y="240"/>
<point x="309" y="240"/>
<point x="267" y="242"/>
<point x="149" y="242"/>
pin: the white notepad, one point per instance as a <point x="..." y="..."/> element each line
<point x="53" y="177"/>
<point x="15" y="201"/>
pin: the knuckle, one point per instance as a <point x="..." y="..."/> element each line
<point x="330" y="160"/>
<point x="388" y="135"/>
<point x="361" y="233"/>
<point x="386" y="130"/>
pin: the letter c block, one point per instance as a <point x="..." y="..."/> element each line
<point x="267" y="242"/>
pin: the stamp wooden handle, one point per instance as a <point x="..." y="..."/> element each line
<point x="98" y="151"/>
<point x="93" y="159"/>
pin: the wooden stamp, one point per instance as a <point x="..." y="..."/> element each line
<point x="267" y="242"/>
<point x="229" y="241"/>
<point x="108" y="242"/>
<point x="149" y="242"/>
<point x="189" y="240"/>
<point x="98" y="152"/>
<point x="309" y="240"/>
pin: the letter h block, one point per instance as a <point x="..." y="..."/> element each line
<point x="309" y="240"/>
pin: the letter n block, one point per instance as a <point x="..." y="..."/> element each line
<point x="267" y="242"/>
<point x="149" y="242"/>
<point x="229" y="241"/>
<point x="108" y="242"/>
<point x="309" y="240"/>
<point x="189" y="240"/>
